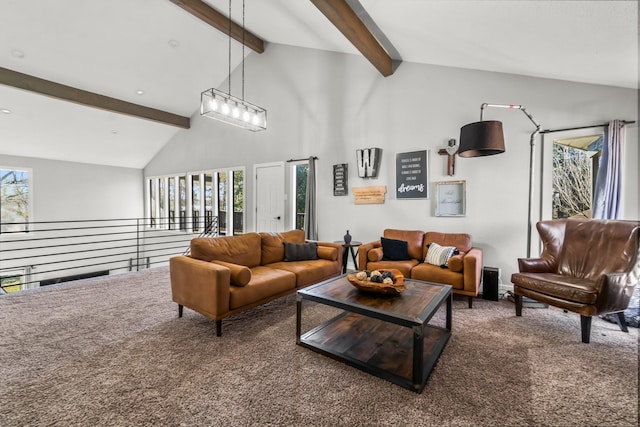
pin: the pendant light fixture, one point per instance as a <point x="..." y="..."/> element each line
<point x="225" y="107"/>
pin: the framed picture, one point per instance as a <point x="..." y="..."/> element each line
<point x="451" y="198"/>
<point x="412" y="175"/>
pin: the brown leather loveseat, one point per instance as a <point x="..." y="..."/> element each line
<point x="461" y="269"/>
<point x="590" y="267"/>
<point x="226" y="275"/>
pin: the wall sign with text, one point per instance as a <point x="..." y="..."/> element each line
<point x="340" y="175"/>
<point x="369" y="195"/>
<point x="412" y="175"/>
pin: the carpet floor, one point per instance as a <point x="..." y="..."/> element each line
<point x="112" y="352"/>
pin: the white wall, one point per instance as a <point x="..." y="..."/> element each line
<point x="79" y="191"/>
<point x="328" y="105"/>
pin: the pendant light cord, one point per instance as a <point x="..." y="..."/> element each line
<point x="243" y="50"/>
<point x="243" y="45"/>
<point x="229" y="75"/>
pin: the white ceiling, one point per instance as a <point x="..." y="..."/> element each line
<point x="117" y="47"/>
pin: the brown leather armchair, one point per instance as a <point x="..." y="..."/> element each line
<point x="590" y="267"/>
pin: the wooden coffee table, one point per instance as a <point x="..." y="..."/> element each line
<point x="387" y="336"/>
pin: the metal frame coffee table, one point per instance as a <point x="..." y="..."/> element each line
<point x="387" y="336"/>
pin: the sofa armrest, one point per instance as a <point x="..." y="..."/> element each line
<point x="472" y="269"/>
<point x="199" y="285"/>
<point x="363" y="252"/>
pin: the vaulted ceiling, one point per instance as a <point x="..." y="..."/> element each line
<point x="157" y="55"/>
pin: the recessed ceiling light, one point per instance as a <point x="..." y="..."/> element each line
<point x="115" y="131"/>
<point x="140" y="92"/>
<point x="174" y="43"/>
<point x="5" y="111"/>
<point x="17" y="53"/>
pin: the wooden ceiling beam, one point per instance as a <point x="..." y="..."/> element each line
<point x="220" y="22"/>
<point x="83" y="97"/>
<point x="348" y="23"/>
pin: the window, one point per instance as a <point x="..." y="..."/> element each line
<point x="171" y="195"/>
<point x="152" y="192"/>
<point x="238" y="201"/>
<point x="222" y="203"/>
<point x="299" y="173"/>
<point x="195" y="203"/>
<point x="199" y="198"/>
<point x="208" y="202"/>
<point x="182" y="201"/>
<point x="162" y="212"/>
<point x="15" y="196"/>
<point x="575" y="168"/>
<point x="11" y="282"/>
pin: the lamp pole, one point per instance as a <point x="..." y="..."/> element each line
<point x="532" y="145"/>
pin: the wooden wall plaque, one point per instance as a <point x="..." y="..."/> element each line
<point x="369" y="195"/>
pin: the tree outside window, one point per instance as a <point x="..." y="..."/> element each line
<point x="14" y="200"/>
<point x="575" y="166"/>
<point x="301" y="172"/>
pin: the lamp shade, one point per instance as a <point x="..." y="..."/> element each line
<point x="483" y="138"/>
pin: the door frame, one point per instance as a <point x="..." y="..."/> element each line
<point x="281" y="164"/>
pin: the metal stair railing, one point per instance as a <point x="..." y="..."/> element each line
<point x="58" y="251"/>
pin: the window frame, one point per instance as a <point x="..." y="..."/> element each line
<point x="294" y="192"/>
<point x="188" y="177"/>
<point x="30" y="198"/>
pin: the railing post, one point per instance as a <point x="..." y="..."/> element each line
<point x="138" y="244"/>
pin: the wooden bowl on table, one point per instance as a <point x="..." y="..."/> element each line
<point x="394" y="288"/>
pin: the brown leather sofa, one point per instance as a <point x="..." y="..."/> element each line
<point x="590" y="267"/>
<point x="463" y="272"/>
<point x="226" y="275"/>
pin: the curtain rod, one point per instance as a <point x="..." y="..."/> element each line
<point x="299" y="160"/>
<point x="626" y="122"/>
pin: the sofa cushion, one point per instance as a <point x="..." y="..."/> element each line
<point x="272" y="248"/>
<point x="265" y="282"/>
<point x="414" y="239"/>
<point x="404" y="266"/>
<point x="569" y="288"/>
<point x="242" y="250"/>
<point x="239" y="275"/>
<point x="439" y="255"/>
<point x="309" y="272"/>
<point x="433" y="273"/>
<point x="394" y="250"/>
<point x="300" y="251"/>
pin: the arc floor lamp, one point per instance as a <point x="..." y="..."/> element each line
<point x="486" y="138"/>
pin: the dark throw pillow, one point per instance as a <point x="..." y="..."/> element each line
<point x="300" y="251"/>
<point x="394" y="250"/>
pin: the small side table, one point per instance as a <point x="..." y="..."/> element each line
<point x="346" y="248"/>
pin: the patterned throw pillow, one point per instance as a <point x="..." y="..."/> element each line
<point x="439" y="255"/>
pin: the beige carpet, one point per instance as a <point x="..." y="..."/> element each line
<point x="111" y="351"/>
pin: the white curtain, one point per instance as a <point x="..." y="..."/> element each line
<point x="310" y="206"/>
<point x="608" y="191"/>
